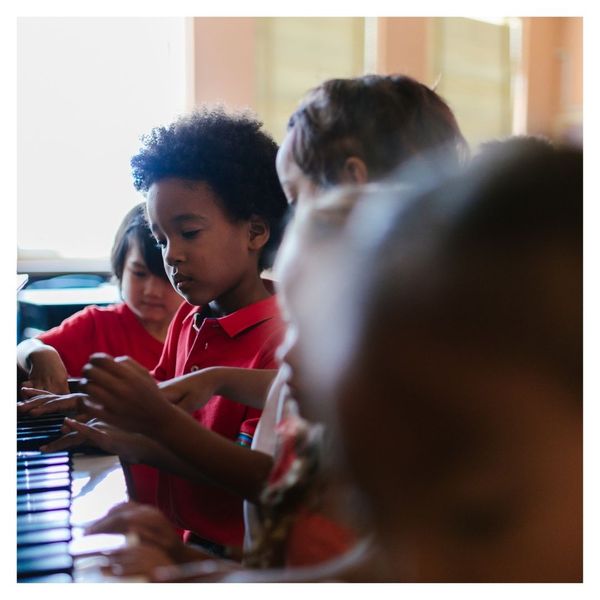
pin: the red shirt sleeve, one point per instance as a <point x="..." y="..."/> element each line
<point x="74" y="339"/>
<point x="264" y="360"/>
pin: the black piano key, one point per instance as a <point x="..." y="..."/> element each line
<point x="31" y="428"/>
<point x="42" y="501"/>
<point x="31" y="552"/>
<point x="43" y="486"/>
<point x="34" y="455"/>
<point x="28" y="420"/>
<point x="37" y="469"/>
<point x="51" y="519"/>
<point x="33" y="442"/>
<point x="38" y="475"/>
<point x="42" y="462"/>
<point x="60" y="563"/>
<point x="45" y="536"/>
<point x="54" y="578"/>
<point x="43" y="505"/>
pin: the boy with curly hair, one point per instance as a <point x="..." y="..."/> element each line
<point x="216" y="208"/>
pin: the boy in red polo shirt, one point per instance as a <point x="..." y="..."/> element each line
<point x="216" y="208"/>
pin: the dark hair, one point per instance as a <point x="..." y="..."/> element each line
<point x="384" y="120"/>
<point x="490" y="258"/>
<point x="229" y="152"/>
<point x="135" y="227"/>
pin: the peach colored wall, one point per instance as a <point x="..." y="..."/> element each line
<point x="572" y="41"/>
<point x="553" y="74"/>
<point x="403" y="46"/>
<point x="224" y="51"/>
<point x="541" y="69"/>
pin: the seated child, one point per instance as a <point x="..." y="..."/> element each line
<point x="137" y="327"/>
<point x="457" y="392"/>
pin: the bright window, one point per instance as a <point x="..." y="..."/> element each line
<point x="87" y="89"/>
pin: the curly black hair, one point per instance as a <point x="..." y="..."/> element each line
<point x="229" y="152"/>
<point x="383" y="119"/>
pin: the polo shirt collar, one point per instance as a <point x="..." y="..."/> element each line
<point x="242" y="319"/>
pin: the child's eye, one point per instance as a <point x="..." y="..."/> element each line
<point x="190" y="235"/>
<point x="139" y="273"/>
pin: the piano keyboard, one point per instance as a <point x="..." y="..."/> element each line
<point x="58" y="494"/>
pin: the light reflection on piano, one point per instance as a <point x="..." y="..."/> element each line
<point x="50" y="547"/>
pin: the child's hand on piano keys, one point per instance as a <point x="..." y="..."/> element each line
<point x="140" y="559"/>
<point x="40" y="402"/>
<point x="100" y="435"/>
<point x="148" y="523"/>
<point x="121" y="392"/>
<point x="47" y="371"/>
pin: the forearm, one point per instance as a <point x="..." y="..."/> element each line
<point x="201" y="454"/>
<point x="246" y="386"/>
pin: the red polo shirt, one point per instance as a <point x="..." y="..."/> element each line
<point x="246" y="338"/>
<point x="118" y="332"/>
<point x="111" y="329"/>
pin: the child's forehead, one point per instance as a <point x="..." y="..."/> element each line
<point x="178" y="200"/>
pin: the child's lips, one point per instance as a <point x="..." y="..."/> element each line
<point x="182" y="282"/>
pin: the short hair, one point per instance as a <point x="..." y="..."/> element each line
<point x="227" y="151"/>
<point x="384" y="120"/>
<point x="134" y="227"/>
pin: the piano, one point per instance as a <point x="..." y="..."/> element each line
<point x="58" y="494"/>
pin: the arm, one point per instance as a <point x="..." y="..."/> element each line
<point x="123" y="393"/>
<point x="246" y="386"/>
<point x="137" y="448"/>
<point x="43" y="365"/>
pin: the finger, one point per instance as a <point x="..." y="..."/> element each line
<point x="30" y="391"/>
<point x="71" y="402"/>
<point x="69" y="440"/>
<point x="111" y="380"/>
<point x="95" y="410"/>
<point x="98" y="398"/>
<point x="27" y="406"/>
<point x="51" y="385"/>
<point x="130" y="363"/>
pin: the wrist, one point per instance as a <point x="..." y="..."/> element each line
<point x="41" y="354"/>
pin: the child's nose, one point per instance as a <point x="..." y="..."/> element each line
<point x="154" y="286"/>
<point x="172" y="255"/>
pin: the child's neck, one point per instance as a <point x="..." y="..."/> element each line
<point x="245" y="294"/>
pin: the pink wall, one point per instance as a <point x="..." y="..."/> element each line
<point x="402" y="46"/>
<point x="224" y="56"/>
<point x="553" y="72"/>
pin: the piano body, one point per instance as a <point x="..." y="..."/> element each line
<point x="58" y="494"/>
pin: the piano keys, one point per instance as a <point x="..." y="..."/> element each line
<point x="58" y="494"/>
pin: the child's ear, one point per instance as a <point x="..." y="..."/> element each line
<point x="354" y="171"/>
<point x="258" y="233"/>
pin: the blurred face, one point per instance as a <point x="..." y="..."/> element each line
<point x="289" y="272"/>
<point x="207" y="257"/>
<point x="152" y="299"/>
<point x="473" y="469"/>
<point x="298" y="187"/>
<point x="299" y="266"/>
